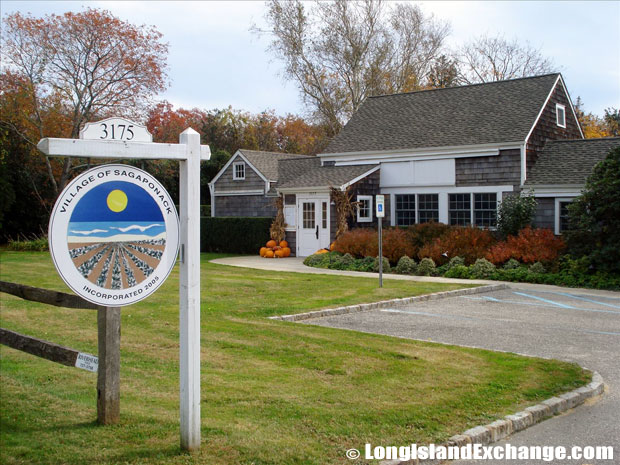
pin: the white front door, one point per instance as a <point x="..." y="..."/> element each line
<point x="312" y="224"/>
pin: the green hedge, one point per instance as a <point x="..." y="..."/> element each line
<point x="234" y="234"/>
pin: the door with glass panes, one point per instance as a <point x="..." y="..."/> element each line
<point x="312" y="224"/>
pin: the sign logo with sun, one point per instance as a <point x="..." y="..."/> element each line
<point x="114" y="235"/>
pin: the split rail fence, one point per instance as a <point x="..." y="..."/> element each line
<point x="107" y="364"/>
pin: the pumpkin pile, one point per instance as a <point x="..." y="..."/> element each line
<point x="275" y="250"/>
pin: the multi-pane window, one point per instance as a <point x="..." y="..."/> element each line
<point x="309" y="215"/>
<point x="405" y="209"/>
<point x="564" y="226"/>
<point x="459" y="209"/>
<point x="364" y="208"/>
<point x="485" y="210"/>
<point x="428" y="208"/>
<point x="238" y="171"/>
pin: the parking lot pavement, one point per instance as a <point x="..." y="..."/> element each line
<point x="564" y="324"/>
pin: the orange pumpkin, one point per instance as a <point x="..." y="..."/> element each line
<point x="332" y="245"/>
<point x="262" y="251"/>
<point x="321" y="251"/>
<point x="271" y="244"/>
<point x="269" y="253"/>
<point x="279" y="253"/>
<point x="283" y="244"/>
<point x="287" y="251"/>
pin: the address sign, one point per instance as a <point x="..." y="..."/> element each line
<point x="116" y="129"/>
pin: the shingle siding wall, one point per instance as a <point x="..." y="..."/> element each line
<point x="547" y="129"/>
<point x="291" y="238"/>
<point x="252" y="180"/>
<point x="545" y="213"/>
<point x="504" y="168"/>
<point x="245" y="205"/>
<point x="370" y="185"/>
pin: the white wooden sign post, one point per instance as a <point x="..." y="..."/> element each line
<point x="118" y="138"/>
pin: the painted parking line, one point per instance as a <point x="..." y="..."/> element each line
<point x="533" y="304"/>
<point x="460" y="317"/>
<point x="529" y="296"/>
<point x="585" y="299"/>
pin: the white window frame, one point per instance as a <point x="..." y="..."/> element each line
<point x="559" y="200"/>
<point x="558" y="107"/>
<point x="235" y="177"/>
<point x="365" y="219"/>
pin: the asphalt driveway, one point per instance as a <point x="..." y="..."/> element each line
<point x="575" y="325"/>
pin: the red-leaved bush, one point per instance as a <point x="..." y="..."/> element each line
<point x="396" y="243"/>
<point x="470" y="243"/>
<point x="363" y="242"/>
<point x="424" y="233"/>
<point x="359" y="242"/>
<point x="529" y="246"/>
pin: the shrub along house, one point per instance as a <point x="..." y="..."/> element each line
<point x="447" y="155"/>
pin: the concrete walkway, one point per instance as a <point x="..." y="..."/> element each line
<point x="296" y="265"/>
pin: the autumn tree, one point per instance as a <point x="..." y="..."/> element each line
<point x="594" y="126"/>
<point x="487" y="59"/>
<point x="73" y="68"/>
<point x="338" y="53"/>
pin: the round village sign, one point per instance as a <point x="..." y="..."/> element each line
<point x="114" y="235"/>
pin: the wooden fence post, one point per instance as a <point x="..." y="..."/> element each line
<point x="108" y="374"/>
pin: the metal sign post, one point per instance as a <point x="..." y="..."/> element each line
<point x="117" y="138"/>
<point x="380" y="212"/>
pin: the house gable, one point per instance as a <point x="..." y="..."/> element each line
<point x="546" y="127"/>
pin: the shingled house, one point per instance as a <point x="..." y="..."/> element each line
<point x="448" y="155"/>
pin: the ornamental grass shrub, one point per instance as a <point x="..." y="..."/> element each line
<point x="406" y="265"/>
<point x="482" y="269"/>
<point x="426" y="267"/>
<point x="469" y="242"/>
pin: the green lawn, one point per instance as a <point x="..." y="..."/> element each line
<point x="272" y="392"/>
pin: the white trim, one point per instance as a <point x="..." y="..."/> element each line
<point x="236" y="177"/>
<point x="557" y="212"/>
<point x="424" y="151"/>
<point x="304" y="190"/>
<point x="359" y="178"/>
<point x="523" y="164"/>
<point x="238" y="192"/>
<point x="365" y="219"/>
<point x="559" y="106"/>
<point x="448" y="190"/>
<point x="553" y="191"/>
<point x="232" y="159"/>
<point x="212" y="193"/>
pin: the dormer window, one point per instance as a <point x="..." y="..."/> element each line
<point x="560" y="115"/>
<point x="239" y="171"/>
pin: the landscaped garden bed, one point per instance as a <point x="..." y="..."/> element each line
<point x="272" y="392"/>
<point x="434" y="249"/>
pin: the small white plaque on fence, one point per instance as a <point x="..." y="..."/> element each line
<point x="87" y="362"/>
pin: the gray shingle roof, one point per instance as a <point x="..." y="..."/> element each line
<point x="308" y="172"/>
<point x="267" y="162"/>
<point x="569" y="161"/>
<point x="495" y="112"/>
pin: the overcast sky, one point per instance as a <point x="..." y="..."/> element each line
<point x="215" y="61"/>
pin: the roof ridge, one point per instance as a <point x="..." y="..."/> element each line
<point x="462" y="87"/>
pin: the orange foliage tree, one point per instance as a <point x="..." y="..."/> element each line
<point x="72" y="68"/>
